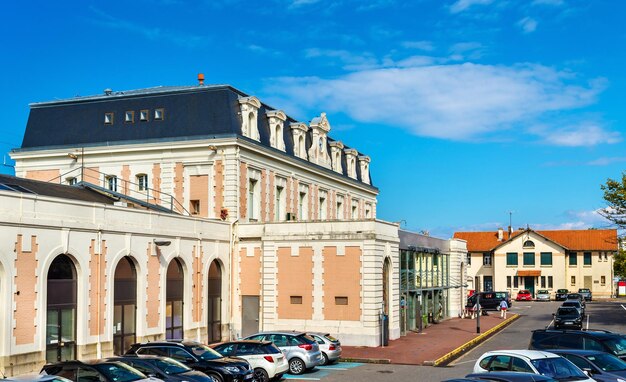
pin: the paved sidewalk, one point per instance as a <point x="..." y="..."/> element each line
<point x="435" y="342"/>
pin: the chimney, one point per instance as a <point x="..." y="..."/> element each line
<point x="500" y="234"/>
<point x="200" y="79"/>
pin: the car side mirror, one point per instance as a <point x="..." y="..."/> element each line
<point x="553" y="314"/>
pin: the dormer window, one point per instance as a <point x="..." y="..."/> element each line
<point x="129" y="117"/>
<point x="364" y="164"/>
<point x="143" y="115"/>
<point x="335" y="153"/>
<point x="108" y="118"/>
<point x="351" y="162"/>
<point x="276" y="119"/>
<point x="298" y="132"/>
<point x="249" y="107"/>
<point x="529" y="244"/>
<point x="159" y="114"/>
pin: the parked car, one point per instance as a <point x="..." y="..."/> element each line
<point x="601" y="366"/>
<point x="96" y="370"/>
<point x="568" y="316"/>
<point x="576" y="304"/>
<point x="198" y="357"/>
<point x="267" y="360"/>
<point x="576" y="296"/>
<point x="164" y="368"/>
<point x="524" y="295"/>
<point x="330" y="347"/>
<point x="586" y="293"/>
<point x="543" y="295"/>
<point x="489" y="300"/>
<point x="503" y="376"/>
<point x="548" y="339"/>
<point x="36" y="378"/>
<point x="530" y="361"/>
<point x="561" y="294"/>
<point x="302" y="351"/>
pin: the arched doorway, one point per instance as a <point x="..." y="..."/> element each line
<point x="61" y="310"/>
<point x="174" y="301"/>
<point x="124" y="306"/>
<point x="214" y="303"/>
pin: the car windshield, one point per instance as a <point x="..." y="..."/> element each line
<point x="572" y="303"/>
<point x="558" y="368"/>
<point x="524" y="292"/>
<point x="567" y="311"/>
<point x="205" y="352"/>
<point x="543" y="292"/>
<point x="607" y="362"/>
<point x="331" y="338"/>
<point x="583" y="291"/>
<point x="119" y="372"/>
<point x="562" y="291"/>
<point x="169" y="366"/>
<point x="617" y="345"/>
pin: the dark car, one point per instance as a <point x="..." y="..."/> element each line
<point x="586" y="293"/>
<point x="574" y="304"/>
<point x="198" y="357"/>
<point x="490" y="300"/>
<point x="548" y="339"/>
<point x="96" y="371"/>
<point x="164" y="368"/>
<point x="568" y="316"/>
<point x="576" y="296"/>
<point x="601" y="366"/>
<point x="503" y="376"/>
<point x="561" y="294"/>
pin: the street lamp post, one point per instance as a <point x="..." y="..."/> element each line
<point x="478" y="313"/>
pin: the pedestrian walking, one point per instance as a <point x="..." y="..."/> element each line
<point x="503" y="308"/>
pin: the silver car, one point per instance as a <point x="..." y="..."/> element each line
<point x="301" y="350"/>
<point x="543" y="295"/>
<point x="329" y="346"/>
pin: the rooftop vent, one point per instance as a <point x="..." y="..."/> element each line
<point x="108" y="91"/>
<point x="200" y="79"/>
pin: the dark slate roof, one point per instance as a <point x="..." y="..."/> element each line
<point x="190" y="112"/>
<point x="84" y="192"/>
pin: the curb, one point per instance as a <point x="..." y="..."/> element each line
<point x="454" y="354"/>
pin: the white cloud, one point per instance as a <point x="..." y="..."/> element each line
<point x="585" y="134"/>
<point x="462" y="5"/>
<point x="527" y="24"/>
<point x="348" y="60"/>
<point x="421" y="45"/>
<point x="605" y="161"/>
<point x="456" y="101"/>
<point x="577" y="220"/>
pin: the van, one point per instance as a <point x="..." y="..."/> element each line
<point x="490" y="300"/>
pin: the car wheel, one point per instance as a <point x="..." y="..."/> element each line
<point x="324" y="360"/>
<point x="261" y="375"/>
<point x="215" y="377"/>
<point x="296" y="366"/>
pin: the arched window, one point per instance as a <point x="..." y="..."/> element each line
<point x="529" y="244"/>
<point x="61" y="310"/>
<point x="215" y="303"/>
<point x="124" y="306"/>
<point x="277" y="137"/>
<point x="301" y="145"/>
<point x="248" y="129"/>
<point x="174" y="301"/>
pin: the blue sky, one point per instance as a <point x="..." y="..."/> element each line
<point x="469" y="109"/>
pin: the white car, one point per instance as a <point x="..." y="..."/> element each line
<point x="265" y="358"/>
<point x="530" y="361"/>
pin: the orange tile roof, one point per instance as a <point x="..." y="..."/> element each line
<point x="575" y="240"/>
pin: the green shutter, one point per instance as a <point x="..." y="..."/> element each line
<point x="546" y="258"/>
<point x="511" y="258"/>
<point x="529" y="258"/>
<point x="587" y="258"/>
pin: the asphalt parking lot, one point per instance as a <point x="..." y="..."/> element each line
<point x="535" y="315"/>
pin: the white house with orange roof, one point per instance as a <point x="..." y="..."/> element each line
<point x="533" y="260"/>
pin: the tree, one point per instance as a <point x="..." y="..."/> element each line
<point x="615" y="196"/>
<point x="619" y="264"/>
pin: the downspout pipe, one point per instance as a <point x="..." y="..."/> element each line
<point x="231" y="280"/>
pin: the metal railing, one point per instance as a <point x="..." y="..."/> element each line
<point x="121" y="187"/>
